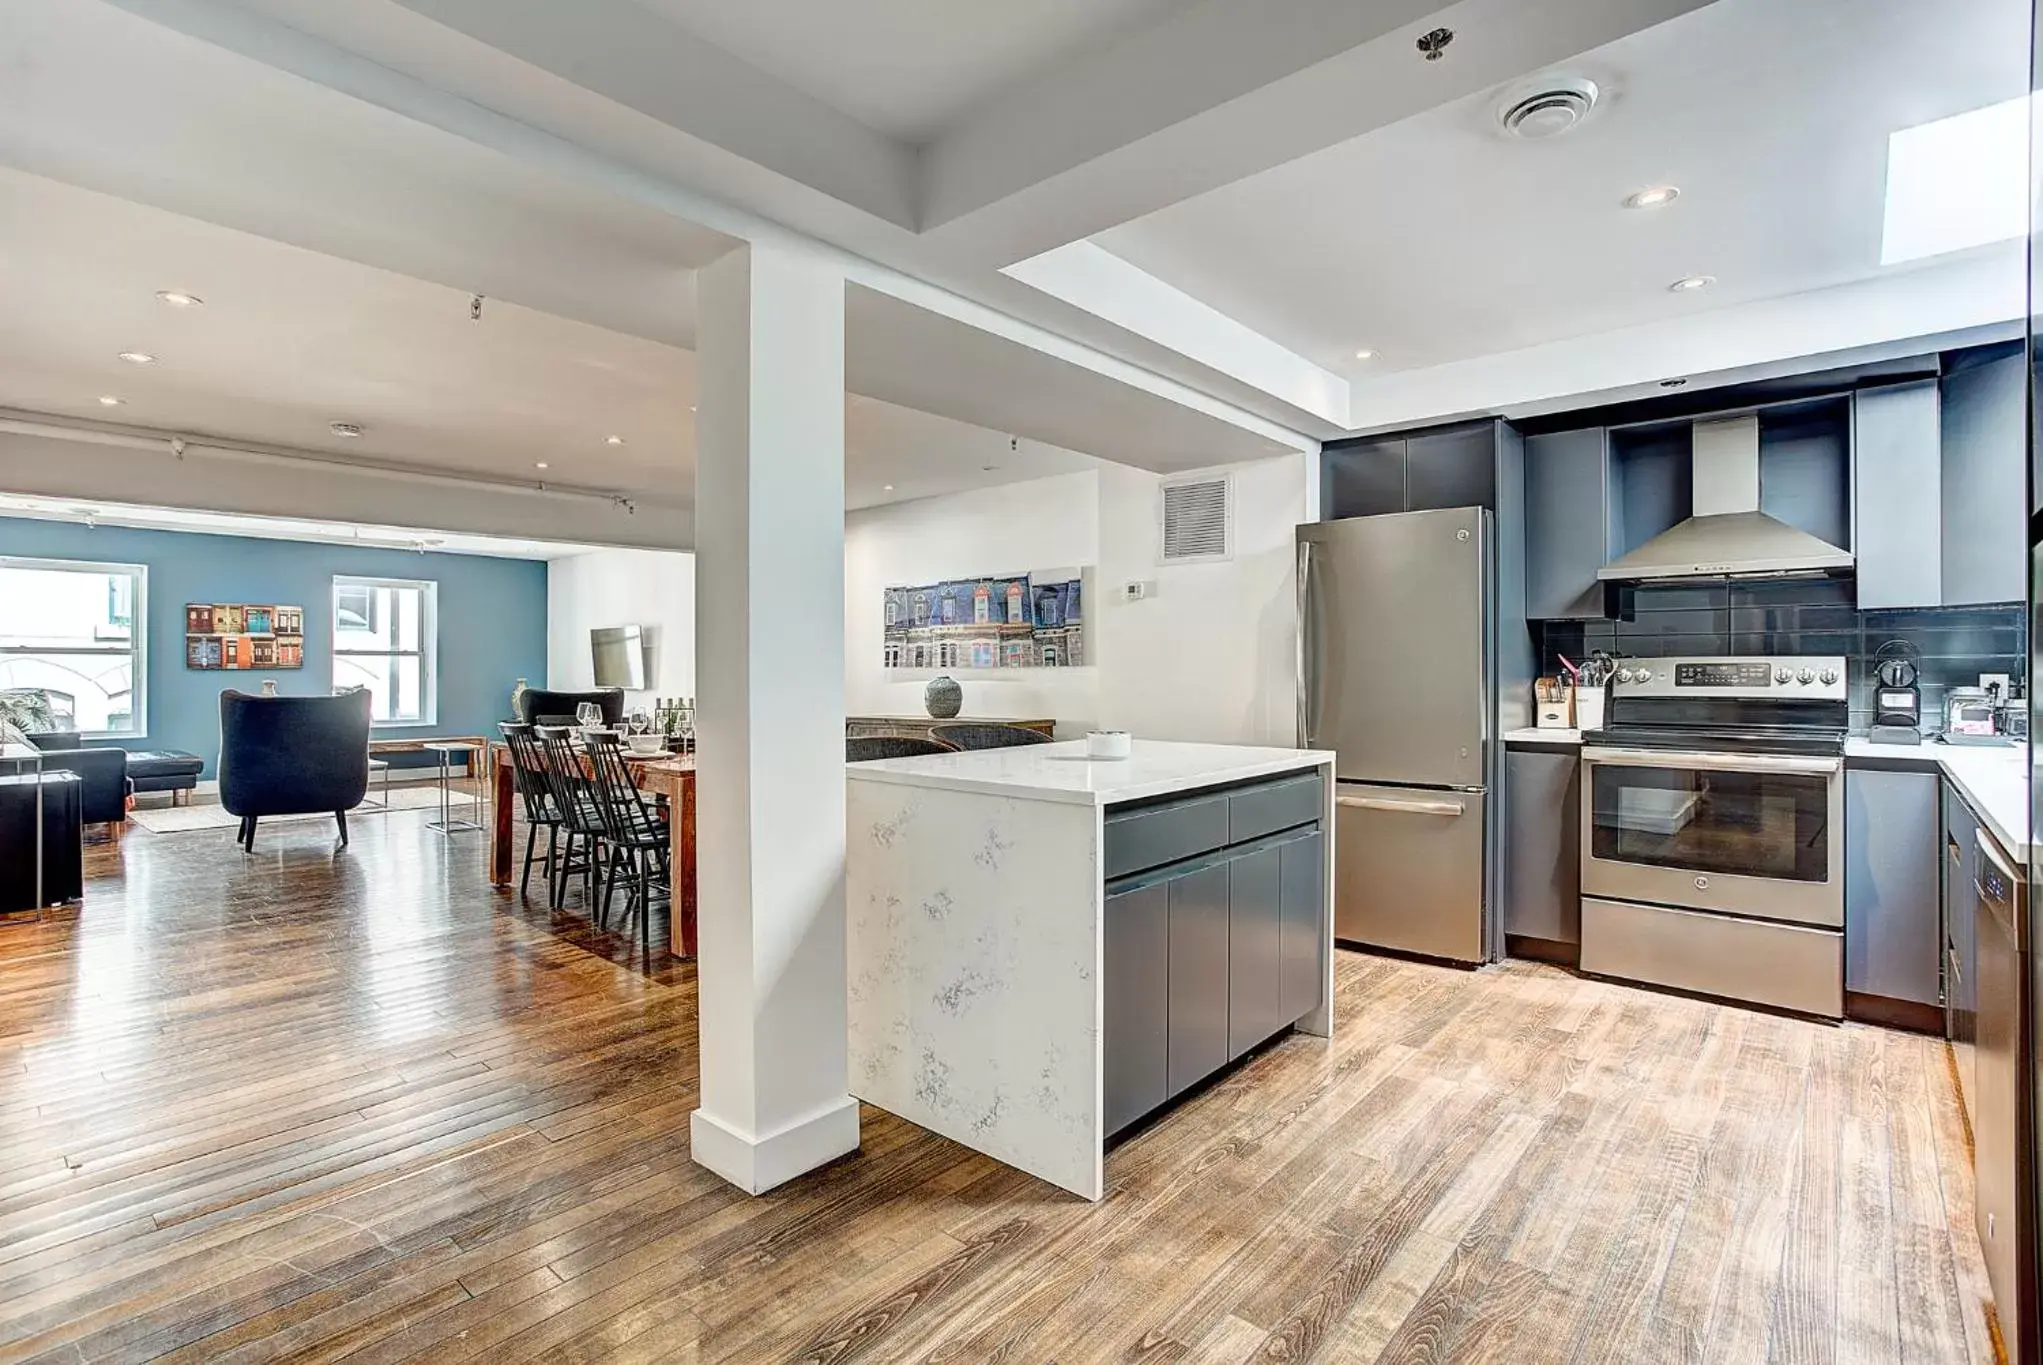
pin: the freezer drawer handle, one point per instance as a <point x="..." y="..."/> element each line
<point x="1407" y="805"/>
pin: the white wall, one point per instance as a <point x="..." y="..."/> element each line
<point x="1019" y="528"/>
<point x="650" y="588"/>
<point x="1212" y="653"/>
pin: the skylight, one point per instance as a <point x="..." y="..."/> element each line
<point x="1956" y="183"/>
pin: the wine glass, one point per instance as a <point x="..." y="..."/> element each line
<point x="590" y="715"/>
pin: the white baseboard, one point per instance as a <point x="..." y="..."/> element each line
<point x="757" y="1164"/>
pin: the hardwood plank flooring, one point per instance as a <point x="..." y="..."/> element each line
<point x="355" y="1106"/>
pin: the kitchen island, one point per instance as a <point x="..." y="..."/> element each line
<point x="1045" y="948"/>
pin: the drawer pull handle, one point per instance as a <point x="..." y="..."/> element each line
<point x="1404" y="805"/>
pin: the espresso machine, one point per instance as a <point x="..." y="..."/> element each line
<point x="1897" y="694"/>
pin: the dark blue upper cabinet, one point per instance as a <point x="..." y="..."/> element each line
<point x="1570" y="524"/>
<point x="1418" y="471"/>
<point x="1985" y="417"/>
<point x="1938" y="485"/>
<point x="1897" y="487"/>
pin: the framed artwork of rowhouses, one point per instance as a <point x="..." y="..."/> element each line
<point x="1024" y="620"/>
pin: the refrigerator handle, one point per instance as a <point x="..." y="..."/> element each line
<point x="1306" y="680"/>
<point x="1403" y="804"/>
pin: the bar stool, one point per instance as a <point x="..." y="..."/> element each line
<point x="448" y="752"/>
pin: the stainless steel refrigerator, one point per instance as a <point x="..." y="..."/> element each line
<point x="1396" y="675"/>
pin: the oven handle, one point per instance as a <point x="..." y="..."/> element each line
<point x="1726" y="763"/>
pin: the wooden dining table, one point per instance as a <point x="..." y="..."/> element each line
<point x="672" y="776"/>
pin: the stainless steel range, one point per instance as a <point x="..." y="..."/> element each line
<point x="1713" y="830"/>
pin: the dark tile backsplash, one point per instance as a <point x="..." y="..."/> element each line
<point x="1801" y="616"/>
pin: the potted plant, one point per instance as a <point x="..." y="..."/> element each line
<point x="27" y="710"/>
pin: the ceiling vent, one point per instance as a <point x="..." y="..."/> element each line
<point x="1555" y="108"/>
<point x="1198" y="519"/>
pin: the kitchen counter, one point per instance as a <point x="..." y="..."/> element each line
<point x="1534" y="735"/>
<point x="1994" y="782"/>
<point x="976" y="946"/>
<point x="1062" y="772"/>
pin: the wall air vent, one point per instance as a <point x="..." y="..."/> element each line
<point x="1198" y="519"/>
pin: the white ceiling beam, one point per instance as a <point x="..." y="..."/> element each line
<point x="1220" y="91"/>
<point x="632" y="57"/>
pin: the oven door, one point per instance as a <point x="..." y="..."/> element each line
<point x="1760" y="835"/>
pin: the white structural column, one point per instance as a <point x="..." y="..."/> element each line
<point x="769" y="603"/>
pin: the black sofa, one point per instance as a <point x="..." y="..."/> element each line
<point x="537" y="706"/>
<point x="102" y="775"/>
<point x="293" y="756"/>
<point x="63" y="862"/>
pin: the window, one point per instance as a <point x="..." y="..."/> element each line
<point x="384" y="635"/>
<point x="75" y="633"/>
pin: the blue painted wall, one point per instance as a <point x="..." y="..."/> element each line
<point x="492" y="619"/>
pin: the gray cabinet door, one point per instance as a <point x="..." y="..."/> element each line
<point x="1897" y="491"/>
<point x="1543" y="845"/>
<point x="1893" y="925"/>
<point x="1363" y="478"/>
<point x="1198" y="975"/>
<point x="1568" y="512"/>
<point x="1303" y="892"/>
<point x="1960" y="949"/>
<point x="1135" y="1033"/>
<point x="1985" y="557"/>
<point x="1454" y="467"/>
<point x="1255" y="947"/>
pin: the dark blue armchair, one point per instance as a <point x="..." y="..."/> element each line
<point x="293" y="756"/>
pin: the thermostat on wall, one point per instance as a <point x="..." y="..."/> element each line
<point x="1136" y="590"/>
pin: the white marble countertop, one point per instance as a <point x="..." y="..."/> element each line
<point x="1994" y="782"/>
<point x="1534" y="735"/>
<point x="1062" y="772"/>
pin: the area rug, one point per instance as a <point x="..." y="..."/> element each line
<point x="213" y="815"/>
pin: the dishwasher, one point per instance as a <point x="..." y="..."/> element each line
<point x="2000" y="1064"/>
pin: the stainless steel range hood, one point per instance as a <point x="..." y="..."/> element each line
<point x="1728" y="536"/>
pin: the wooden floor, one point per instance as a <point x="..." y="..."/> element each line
<point x="317" y="1106"/>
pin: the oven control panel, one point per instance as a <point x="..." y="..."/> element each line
<point x="1745" y="673"/>
<point x="1814" y="678"/>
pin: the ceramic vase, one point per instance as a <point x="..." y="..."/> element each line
<point x="943" y="698"/>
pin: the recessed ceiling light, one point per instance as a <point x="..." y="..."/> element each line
<point x="886" y="488"/>
<point x="613" y="440"/>
<point x="107" y="400"/>
<point x="1688" y="284"/>
<point x="1656" y="197"/>
<point x="177" y="298"/>
<point x="691" y="407"/>
<point x="138" y="357"/>
<point x="347" y="431"/>
<point x="541" y="465"/>
<point x="1365" y="354"/>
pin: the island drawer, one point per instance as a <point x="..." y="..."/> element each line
<point x="1169" y="832"/>
<point x="1272" y="807"/>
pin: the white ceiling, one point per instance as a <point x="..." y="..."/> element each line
<point x="1439" y="239"/>
<point x="289" y="341"/>
<point x="905" y="68"/>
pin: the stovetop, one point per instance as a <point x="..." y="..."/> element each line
<point x="1813" y="740"/>
<point x="1758" y="704"/>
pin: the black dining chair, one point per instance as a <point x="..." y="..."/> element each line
<point x="986" y="735"/>
<point x="634" y="836"/>
<point x="529" y="776"/>
<point x="581" y="820"/>
<point x="867" y="748"/>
